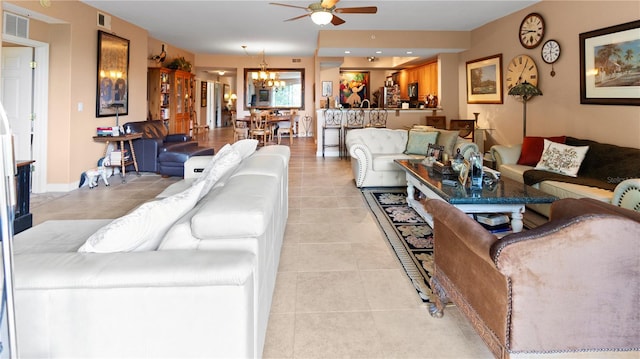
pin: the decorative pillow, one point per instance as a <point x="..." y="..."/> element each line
<point x="562" y="158"/>
<point x="225" y="160"/>
<point x="423" y="128"/>
<point x="448" y="140"/>
<point x="532" y="149"/>
<point x="419" y="142"/>
<point x="143" y="228"/>
<point x="245" y="147"/>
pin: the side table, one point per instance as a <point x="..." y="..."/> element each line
<point x="119" y="141"/>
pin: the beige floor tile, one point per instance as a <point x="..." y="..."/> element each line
<point x="284" y="298"/>
<point x="330" y="292"/>
<point x="280" y="337"/>
<point x="314" y="257"/>
<point x="389" y="289"/>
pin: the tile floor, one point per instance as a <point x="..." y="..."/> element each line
<point x="340" y="291"/>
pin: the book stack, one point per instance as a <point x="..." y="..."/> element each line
<point x="494" y="222"/>
<point x="104" y="131"/>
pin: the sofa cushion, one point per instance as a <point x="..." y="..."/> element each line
<point x="572" y="190"/>
<point x="419" y="141"/>
<point x="448" y="140"/>
<point x="532" y="148"/>
<point x="55" y="237"/>
<point x="225" y="160"/>
<point x="245" y="147"/>
<point x="385" y="162"/>
<point x="563" y="159"/>
<point x="608" y="163"/>
<point x="144" y="227"/>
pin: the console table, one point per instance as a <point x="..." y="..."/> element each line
<point x="120" y="140"/>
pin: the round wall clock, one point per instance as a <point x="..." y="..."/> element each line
<point x="522" y="68"/>
<point x="531" y="30"/>
<point x="550" y="51"/>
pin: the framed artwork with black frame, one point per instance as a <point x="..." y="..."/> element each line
<point x="112" y="92"/>
<point x="435" y="151"/>
<point x="608" y="69"/>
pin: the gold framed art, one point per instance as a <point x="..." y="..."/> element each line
<point x="484" y="80"/>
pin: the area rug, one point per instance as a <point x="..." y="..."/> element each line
<point x="409" y="235"/>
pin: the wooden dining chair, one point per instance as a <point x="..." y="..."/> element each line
<point x="259" y="127"/>
<point x="240" y="129"/>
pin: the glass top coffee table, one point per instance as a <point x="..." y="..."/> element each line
<point x="506" y="196"/>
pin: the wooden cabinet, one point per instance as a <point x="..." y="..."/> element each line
<point x="170" y="97"/>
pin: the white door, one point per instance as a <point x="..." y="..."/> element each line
<point x="17" y="96"/>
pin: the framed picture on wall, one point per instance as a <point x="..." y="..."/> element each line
<point x="113" y="75"/>
<point x="327" y="88"/>
<point x="610" y="65"/>
<point x="354" y="88"/>
<point x="484" y="80"/>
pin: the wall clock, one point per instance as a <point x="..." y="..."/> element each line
<point x="550" y="51"/>
<point x="522" y="68"/>
<point x="531" y="30"/>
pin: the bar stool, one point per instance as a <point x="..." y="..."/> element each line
<point x="378" y="118"/>
<point x="332" y="121"/>
<point x="355" y="119"/>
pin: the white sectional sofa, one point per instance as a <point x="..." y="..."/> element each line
<point x="205" y="292"/>
<point x="612" y="174"/>
<point x="373" y="151"/>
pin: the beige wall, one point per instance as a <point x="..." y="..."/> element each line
<point x="558" y="111"/>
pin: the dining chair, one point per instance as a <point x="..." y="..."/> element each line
<point x="378" y="118"/>
<point x="355" y="119"/>
<point x="259" y="127"/>
<point x="240" y="129"/>
<point x="332" y="121"/>
<point x="287" y="127"/>
<point x="439" y="122"/>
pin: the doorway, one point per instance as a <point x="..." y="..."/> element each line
<point x="36" y="136"/>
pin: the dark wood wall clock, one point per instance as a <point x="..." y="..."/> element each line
<point x="531" y="30"/>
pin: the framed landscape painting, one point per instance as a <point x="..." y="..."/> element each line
<point x="484" y="80"/>
<point x="610" y="65"/>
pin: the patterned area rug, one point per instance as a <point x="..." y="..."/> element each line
<point x="409" y="235"/>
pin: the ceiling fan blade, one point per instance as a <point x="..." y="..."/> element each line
<point x="297" y="17"/>
<point x="328" y="4"/>
<point x="336" y="20"/>
<point x="287" y="5"/>
<point x="357" y="10"/>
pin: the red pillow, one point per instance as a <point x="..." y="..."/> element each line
<point x="532" y="148"/>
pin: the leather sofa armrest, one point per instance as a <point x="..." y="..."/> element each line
<point x="505" y="154"/>
<point x="627" y="194"/>
<point x="194" y="166"/>
<point x="568" y="208"/>
<point x="81" y="271"/>
<point x="466" y="147"/>
<point x="177" y="137"/>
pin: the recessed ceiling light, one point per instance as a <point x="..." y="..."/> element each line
<point x="347" y="52"/>
<point x="409" y="52"/>
<point x="378" y="52"/>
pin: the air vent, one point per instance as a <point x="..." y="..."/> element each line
<point x="104" y="21"/>
<point x="16" y="25"/>
<point x="296" y="60"/>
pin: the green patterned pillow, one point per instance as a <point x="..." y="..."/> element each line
<point x="419" y="141"/>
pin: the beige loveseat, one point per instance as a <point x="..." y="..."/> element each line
<point x="373" y="151"/>
<point x="568" y="288"/>
<point x="608" y="173"/>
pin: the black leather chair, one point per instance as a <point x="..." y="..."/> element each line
<point x="160" y="152"/>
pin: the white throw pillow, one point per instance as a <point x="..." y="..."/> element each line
<point x="561" y="158"/>
<point x="227" y="159"/>
<point x="245" y="147"/>
<point x="143" y="228"/>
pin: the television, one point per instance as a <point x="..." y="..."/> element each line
<point x="263" y="97"/>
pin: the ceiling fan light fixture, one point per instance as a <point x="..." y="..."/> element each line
<point x="321" y="17"/>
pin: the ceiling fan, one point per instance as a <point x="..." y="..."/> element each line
<point x="325" y="11"/>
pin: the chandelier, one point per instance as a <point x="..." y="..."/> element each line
<point x="266" y="79"/>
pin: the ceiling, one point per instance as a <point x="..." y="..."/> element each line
<point x="223" y="27"/>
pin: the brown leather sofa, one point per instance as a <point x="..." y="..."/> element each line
<point x="570" y="286"/>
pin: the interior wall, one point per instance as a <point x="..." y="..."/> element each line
<point x="558" y="111"/>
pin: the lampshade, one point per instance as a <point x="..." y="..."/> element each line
<point x="321" y="17"/>
<point x="525" y="91"/>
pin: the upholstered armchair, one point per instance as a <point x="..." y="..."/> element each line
<point x="568" y="286"/>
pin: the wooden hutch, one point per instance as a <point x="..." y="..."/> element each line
<point x="171" y="97"/>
